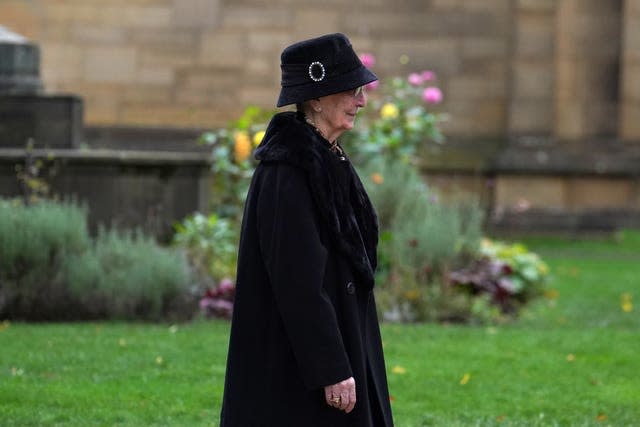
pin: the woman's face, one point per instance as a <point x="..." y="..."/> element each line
<point x="338" y="111"/>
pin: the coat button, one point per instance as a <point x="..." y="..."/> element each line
<point x="351" y="288"/>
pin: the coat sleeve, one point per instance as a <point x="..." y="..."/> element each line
<point x="295" y="261"/>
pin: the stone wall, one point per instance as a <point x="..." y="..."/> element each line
<point x="630" y="84"/>
<point x="543" y="95"/>
<point x="198" y="62"/>
<point x="520" y="66"/>
<point x="143" y="190"/>
<point x="561" y="68"/>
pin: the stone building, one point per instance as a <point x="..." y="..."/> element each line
<point x="544" y="107"/>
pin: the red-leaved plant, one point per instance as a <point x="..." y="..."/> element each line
<point x="218" y="302"/>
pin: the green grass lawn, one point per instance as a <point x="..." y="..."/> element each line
<point x="571" y="360"/>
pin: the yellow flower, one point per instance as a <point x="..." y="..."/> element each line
<point x="398" y="370"/>
<point x="159" y="360"/>
<point x="4" y="325"/>
<point x="257" y="138"/>
<point x="571" y="357"/>
<point x="122" y="342"/>
<point x="242" y="146"/>
<point x="377" y="178"/>
<point x="465" y="379"/>
<point x="389" y="111"/>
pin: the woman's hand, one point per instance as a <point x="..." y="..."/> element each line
<point x="341" y="395"/>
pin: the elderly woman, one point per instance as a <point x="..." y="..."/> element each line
<point x="305" y="347"/>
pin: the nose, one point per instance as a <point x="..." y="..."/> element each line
<point x="361" y="99"/>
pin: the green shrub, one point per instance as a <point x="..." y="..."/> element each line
<point x="34" y="241"/>
<point x="30" y="235"/>
<point x="210" y="243"/>
<point x="50" y="269"/>
<point x="128" y="276"/>
<point x="424" y="231"/>
<point x="422" y="237"/>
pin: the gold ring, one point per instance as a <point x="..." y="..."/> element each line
<point x="335" y="400"/>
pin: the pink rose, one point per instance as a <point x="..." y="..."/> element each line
<point x="368" y="60"/>
<point x="373" y="85"/>
<point x="432" y="95"/>
<point x="428" y="75"/>
<point x="415" y="79"/>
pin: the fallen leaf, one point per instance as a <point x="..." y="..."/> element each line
<point x="398" y="370"/>
<point x="465" y="379"/>
<point x="551" y="294"/>
<point x="625" y="303"/>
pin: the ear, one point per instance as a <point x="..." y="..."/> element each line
<point x="315" y="104"/>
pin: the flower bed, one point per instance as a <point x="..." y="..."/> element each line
<point x="434" y="264"/>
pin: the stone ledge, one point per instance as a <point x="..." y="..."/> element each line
<point x="534" y="155"/>
<point x="129" y="157"/>
<point x="463" y="155"/>
<point x="539" y="155"/>
<point x="548" y="220"/>
<point x="144" y="139"/>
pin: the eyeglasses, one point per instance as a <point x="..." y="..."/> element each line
<point x="357" y="91"/>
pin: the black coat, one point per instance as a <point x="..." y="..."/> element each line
<point x="304" y="312"/>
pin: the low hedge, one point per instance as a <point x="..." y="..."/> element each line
<point x="52" y="269"/>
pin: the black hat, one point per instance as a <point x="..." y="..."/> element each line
<point x="319" y="67"/>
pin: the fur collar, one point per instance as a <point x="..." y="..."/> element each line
<point x="344" y="205"/>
